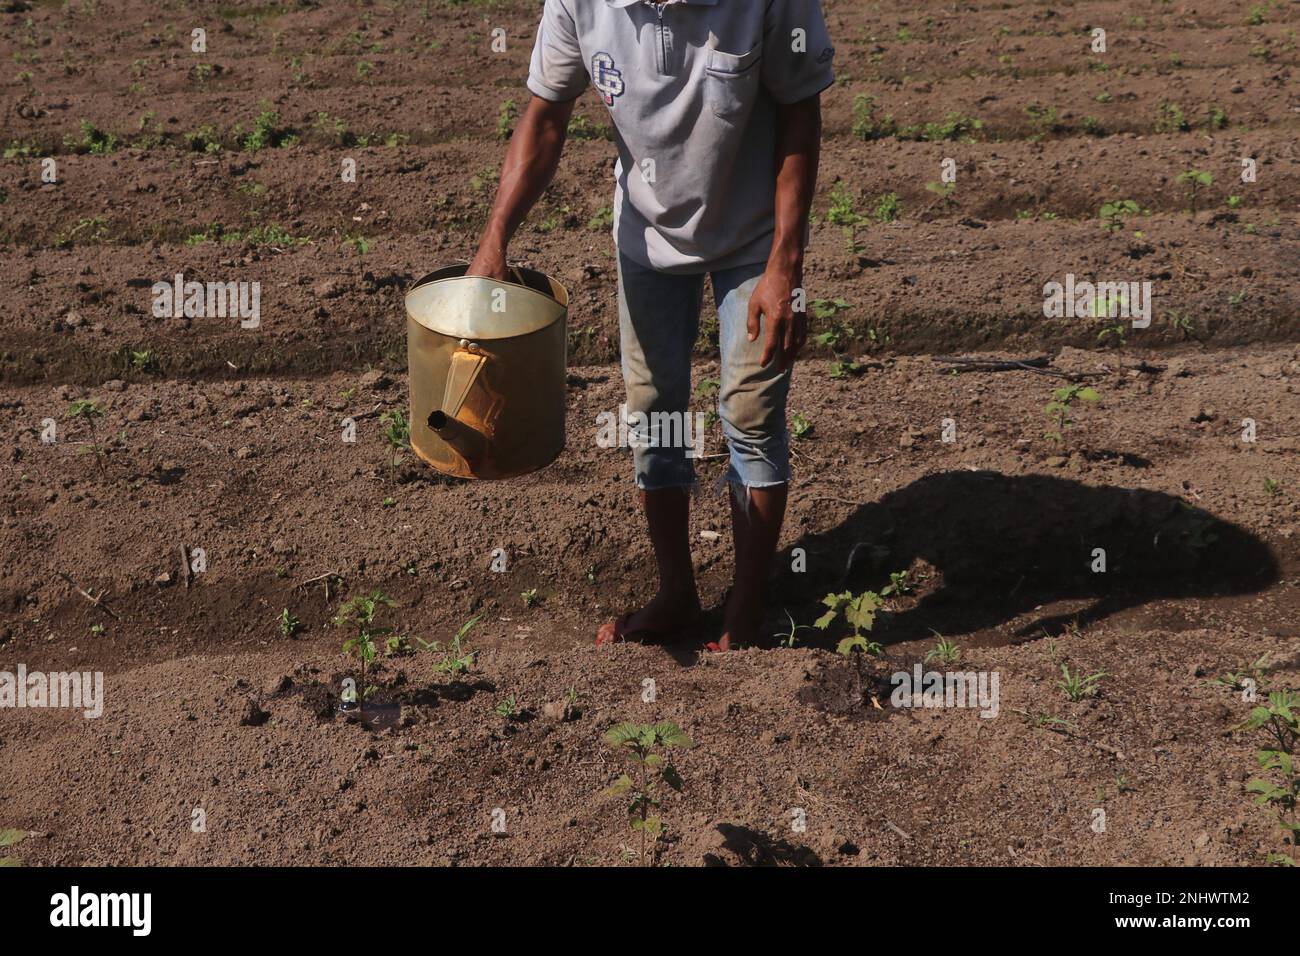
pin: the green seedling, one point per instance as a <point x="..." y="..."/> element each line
<point x="943" y="193"/>
<point x="946" y="652"/>
<point x="900" y="584"/>
<point x="707" y="388"/>
<point x="828" y="309"/>
<point x="1273" y="487"/>
<point x="646" y="746"/>
<point x="846" y="368"/>
<point x="580" y="127"/>
<point x="790" y="637"/>
<point x="456" y="657"/>
<point x="1042" y="720"/>
<point x="1117" y="333"/>
<point x="1280" y="724"/>
<point x="1112" y="213"/>
<point x="865" y="124"/>
<point x="1044" y="119"/>
<point x="289" y="625"/>
<point x="859" y="612"/>
<point x="93" y="140"/>
<point x="508" y="709"/>
<point x="1182" y="323"/>
<point x="359" y="612"/>
<point x="1195" y="179"/>
<point x="800" y="426"/>
<point x="1170" y="118"/>
<point x="265" y="134"/>
<point x="1058" y="409"/>
<point x="506" y="115"/>
<point x="530" y="597"/>
<point x="953" y="127"/>
<point x="1078" y="687"/>
<point x="88" y="410"/>
<point x="1236" y="680"/>
<point x="887" y="208"/>
<point x="397" y="435"/>
<point x="11" y="837"/>
<point x="843" y="212"/>
<point x="398" y="645"/>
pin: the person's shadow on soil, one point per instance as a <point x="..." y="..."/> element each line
<point x="755" y="848"/>
<point x="994" y="547"/>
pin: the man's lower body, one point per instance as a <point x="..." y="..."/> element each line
<point x="659" y="317"/>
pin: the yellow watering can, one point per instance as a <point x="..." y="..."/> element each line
<point x="487" y="371"/>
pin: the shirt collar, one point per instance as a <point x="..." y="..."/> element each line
<point x="628" y="3"/>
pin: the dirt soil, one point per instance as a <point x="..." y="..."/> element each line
<point x="228" y="443"/>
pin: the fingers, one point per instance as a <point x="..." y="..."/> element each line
<point x="770" y="346"/>
<point x="787" y="345"/>
<point x="798" y="335"/>
<point x="752" y="324"/>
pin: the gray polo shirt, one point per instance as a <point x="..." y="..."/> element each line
<point x="690" y="88"/>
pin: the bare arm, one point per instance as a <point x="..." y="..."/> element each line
<point x="798" y="148"/>
<point x="530" y="164"/>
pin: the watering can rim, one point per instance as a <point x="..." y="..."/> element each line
<point x="451" y="303"/>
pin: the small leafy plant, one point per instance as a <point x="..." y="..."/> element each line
<point x="508" y="709"/>
<point x="1077" y="687"/>
<point x="455" y="656"/>
<point x="900" y="584"/>
<point x="1112" y="213"/>
<point x="800" y="426"/>
<point x="88" y="410"/>
<point x="1195" y="179"/>
<point x="530" y="597"/>
<point x="289" y="625"/>
<point x="1280" y="723"/>
<point x="946" y="652"/>
<point x="845" y="368"/>
<point x="788" y="638"/>
<point x="646" y="747"/>
<point x="1058" y="409"/>
<point x="859" y="611"/>
<point x="360" y="612"/>
<point x="397" y="435"/>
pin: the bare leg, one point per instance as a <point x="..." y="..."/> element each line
<point x="756" y="528"/>
<point x="677" y="603"/>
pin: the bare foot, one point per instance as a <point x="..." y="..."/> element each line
<point x="743" y="616"/>
<point x="665" y="617"/>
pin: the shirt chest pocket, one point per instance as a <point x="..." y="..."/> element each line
<point x="731" y="83"/>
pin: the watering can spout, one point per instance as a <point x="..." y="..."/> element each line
<point x="466" y="439"/>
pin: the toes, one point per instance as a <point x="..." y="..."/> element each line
<point x="608" y="633"/>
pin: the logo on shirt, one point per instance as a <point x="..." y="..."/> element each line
<point x="606" y="78"/>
